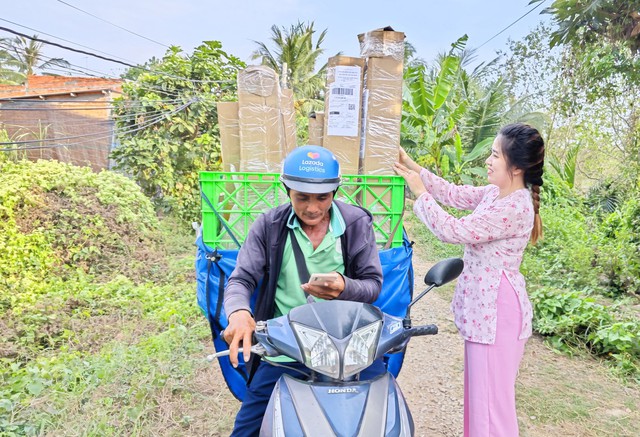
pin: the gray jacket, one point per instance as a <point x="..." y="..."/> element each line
<point x="260" y="258"/>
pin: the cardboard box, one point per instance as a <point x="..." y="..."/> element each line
<point x="261" y="124"/>
<point x="229" y="125"/>
<point x="288" y="112"/>
<point x="382" y="114"/>
<point x="343" y="104"/>
<point x="316" y="128"/>
<point x="382" y="42"/>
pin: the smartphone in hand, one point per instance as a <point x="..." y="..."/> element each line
<point x="322" y="278"/>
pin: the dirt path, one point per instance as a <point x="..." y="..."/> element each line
<point x="431" y="377"/>
<point x="557" y="395"/>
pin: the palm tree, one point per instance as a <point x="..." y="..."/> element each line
<point x="295" y="49"/>
<point x="21" y="57"/>
<point x="9" y="70"/>
<point x="489" y="102"/>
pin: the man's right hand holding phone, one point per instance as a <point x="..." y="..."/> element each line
<point x="326" y="286"/>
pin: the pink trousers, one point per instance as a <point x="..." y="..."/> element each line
<point x="490" y="372"/>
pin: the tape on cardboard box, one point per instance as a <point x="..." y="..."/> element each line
<point x="288" y="121"/>
<point x="382" y="42"/>
<point x="382" y="114"/>
<point x="261" y="124"/>
<point x="229" y="125"/>
<point x="316" y="128"/>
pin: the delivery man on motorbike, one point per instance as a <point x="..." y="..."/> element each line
<point x="314" y="233"/>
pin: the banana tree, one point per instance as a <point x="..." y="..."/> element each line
<point x="460" y="165"/>
<point x="431" y="111"/>
<point x="566" y="168"/>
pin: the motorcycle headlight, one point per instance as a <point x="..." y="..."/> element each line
<point x="360" y="351"/>
<point x="320" y="354"/>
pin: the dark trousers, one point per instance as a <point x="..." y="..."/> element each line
<point x="249" y="418"/>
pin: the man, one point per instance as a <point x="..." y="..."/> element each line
<point x="332" y="236"/>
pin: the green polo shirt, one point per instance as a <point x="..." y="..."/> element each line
<point x="327" y="257"/>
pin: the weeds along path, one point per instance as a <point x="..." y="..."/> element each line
<point x="557" y="395"/>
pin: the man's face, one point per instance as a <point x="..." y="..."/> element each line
<point x="311" y="209"/>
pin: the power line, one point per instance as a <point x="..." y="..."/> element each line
<point x="113" y="24"/>
<point x="34" y="38"/>
<point x="138" y="67"/>
<point x="81" y="108"/>
<point x="157" y="119"/>
<point x="527" y="13"/>
<point x="80" y="69"/>
<point x="59" y="125"/>
<point x="67" y="121"/>
<point x="18" y="100"/>
<point x="84" y="70"/>
<point x="62" y="39"/>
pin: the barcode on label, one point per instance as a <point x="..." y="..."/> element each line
<point x="342" y="91"/>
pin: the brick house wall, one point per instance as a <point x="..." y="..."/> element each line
<point x="71" y="114"/>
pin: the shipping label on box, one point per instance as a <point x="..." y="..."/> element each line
<point x="343" y="111"/>
<point x="342" y="123"/>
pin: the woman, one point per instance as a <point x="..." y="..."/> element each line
<point x="490" y="305"/>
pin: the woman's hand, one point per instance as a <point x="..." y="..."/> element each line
<point x="406" y="160"/>
<point x="412" y="178"/>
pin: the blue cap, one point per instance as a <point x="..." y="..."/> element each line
<point x="311" y="169"/>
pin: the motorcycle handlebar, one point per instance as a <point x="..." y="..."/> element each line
<point x="424" y="330"/>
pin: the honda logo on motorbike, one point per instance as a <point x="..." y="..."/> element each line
<point x="333" y="391"/>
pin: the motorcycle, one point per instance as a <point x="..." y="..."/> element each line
<point x="336" y="340"/>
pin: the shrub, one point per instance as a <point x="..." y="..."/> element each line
<point x="570" y="319"/>
<point x="58" y="218"/>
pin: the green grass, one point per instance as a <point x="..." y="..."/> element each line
<point x="117" y="358"/>
<point x="432" y="248"/>
<point x="557" y="394"/>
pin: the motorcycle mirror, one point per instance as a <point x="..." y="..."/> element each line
<point x="444" y="271"/>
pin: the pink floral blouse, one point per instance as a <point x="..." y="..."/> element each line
<point x="495" y="235"/>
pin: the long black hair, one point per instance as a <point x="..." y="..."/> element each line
<point x="523" y="148"/>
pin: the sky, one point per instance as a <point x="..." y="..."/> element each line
<point x="141" y="29"/>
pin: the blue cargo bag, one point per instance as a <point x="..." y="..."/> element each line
<point x="213" y="267"/>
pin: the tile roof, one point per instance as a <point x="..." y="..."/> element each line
<point x="36" y="86"/>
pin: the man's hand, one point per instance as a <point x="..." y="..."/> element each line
<point x="327" y="290"/>
<point x="239" y="331"/>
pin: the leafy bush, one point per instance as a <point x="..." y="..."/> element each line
<point x="96" y="326"/>
<point x="168" y="124"/>
<point x="571" y="319"/>
<point x="620" y="258"/>
<point x="57" y="218"/>
<point x="589" y="249"/>
<point x="63" y="227"/>
<point x="568" y="253"/>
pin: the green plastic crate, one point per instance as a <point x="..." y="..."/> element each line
<point x="240" y="197"/>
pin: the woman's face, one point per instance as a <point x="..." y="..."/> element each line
<point x="498" y="171"/>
